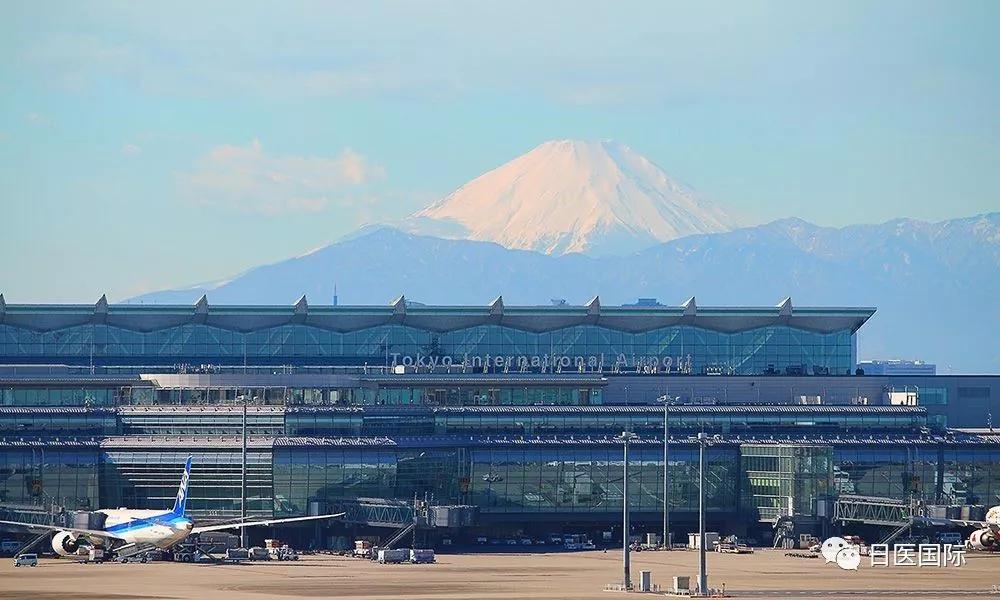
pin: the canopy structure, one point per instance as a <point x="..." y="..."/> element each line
<point x="245" y="318"/>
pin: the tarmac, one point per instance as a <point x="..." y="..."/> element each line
<point x="569" y="575"/>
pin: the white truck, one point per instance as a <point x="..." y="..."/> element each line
<point x="393" y="556"/>
<point x="421" y="556"/>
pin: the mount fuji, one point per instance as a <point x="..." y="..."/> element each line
<point x="578" y="219"/>
<point x="565" y="196"/>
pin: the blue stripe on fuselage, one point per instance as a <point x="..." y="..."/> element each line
<point x="168" y="518"/>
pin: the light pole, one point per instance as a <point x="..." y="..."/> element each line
<point x="702" y="574"/>
<point x="243" y="478"/>
<point x="625" y="438"/>
<point x="703" y="440"/>
<point x="665" y="399"/>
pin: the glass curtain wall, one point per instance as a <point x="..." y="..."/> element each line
<point x="690" y="349"/>
<point x="149" y="480"/>
<point x="302" y="475"/>
<point x="894" y="471"/>
<point x="590" y="479"/>
<point x="48" y="476"/>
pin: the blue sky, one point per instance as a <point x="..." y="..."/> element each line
<point x="151" y="145"/>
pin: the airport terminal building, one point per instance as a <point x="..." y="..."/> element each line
<point x="506" y="416"/>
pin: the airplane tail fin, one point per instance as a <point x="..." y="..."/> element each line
<point x="180" y="503"/>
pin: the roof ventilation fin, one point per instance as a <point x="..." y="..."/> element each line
<point x="496" y="307"/>
<point x="690" y="307"/>
<point x="201" y="306"/>
<point x="785" y="307"/>
<point x="399" y="305"/>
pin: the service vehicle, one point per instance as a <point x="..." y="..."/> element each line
<point x="393" y="556"/>
<point x="421" y="556"/>
<point x="26" y="560"/>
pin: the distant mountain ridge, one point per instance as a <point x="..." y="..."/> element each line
<point x="564" y="196"/>
<point x="936" y="285"/>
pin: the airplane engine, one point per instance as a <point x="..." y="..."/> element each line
<point x="982" y="539"/>
<point x="65" y="544"/>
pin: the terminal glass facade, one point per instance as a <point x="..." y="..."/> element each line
<point x="889" y="471"/>
<point x="34" y="423"/>
<point x="330" y="475"/>
<point x="148" y="479"/>
<point x="785" y="480"/>
<point x="607" y="421"/>
<point x="971" y="475"/>
<point x="590" y="479"/>
<point x="471" y="394"/>
<point x="49" y="475"/>
<point x="505" y="480"/>
<point x="37" y="395"/>
<point x="679" y="348"/>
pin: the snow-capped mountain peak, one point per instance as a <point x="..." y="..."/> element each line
<point x="598" y="197"/>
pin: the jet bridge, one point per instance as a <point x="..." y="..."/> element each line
<point x="873" y="510"/>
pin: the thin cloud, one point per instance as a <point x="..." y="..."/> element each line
<point x="249" y="179"/>
<point x="37" y="119"/>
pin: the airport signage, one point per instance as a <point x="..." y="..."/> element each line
<point x="543" y="363"/>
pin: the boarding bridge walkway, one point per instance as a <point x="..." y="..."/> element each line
<point x="873" y="510"/>
<point x="33" y="513"/>
<point x="376" y="512"/>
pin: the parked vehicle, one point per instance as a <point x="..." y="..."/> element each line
<point x="237" y="555"/>
<point x="421" y="556"/>
<point x="258" y="553"/>
<point x="26" y="560"/>
<point x="283" y="553"/>
<point x="393" y="556"/>
<point x="96" y="555"/>
<point x="949" y="538"/>
<point x="578" y="541"/>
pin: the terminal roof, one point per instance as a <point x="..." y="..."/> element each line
<point x="246" y="318"/>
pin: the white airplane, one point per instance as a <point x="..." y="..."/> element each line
<point x="986" y="538"/>
<point x="129" y="527"/>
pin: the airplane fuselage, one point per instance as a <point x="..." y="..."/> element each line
<point x="160" y="528"/>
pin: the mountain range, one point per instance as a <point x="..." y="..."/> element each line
<point x="935" y="284"/>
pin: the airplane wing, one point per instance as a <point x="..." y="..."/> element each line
<point x="240" y="525"/>
<point x="104" y="535"/>
<point x="943" y="522"/>
<point x="979" y="524"/>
